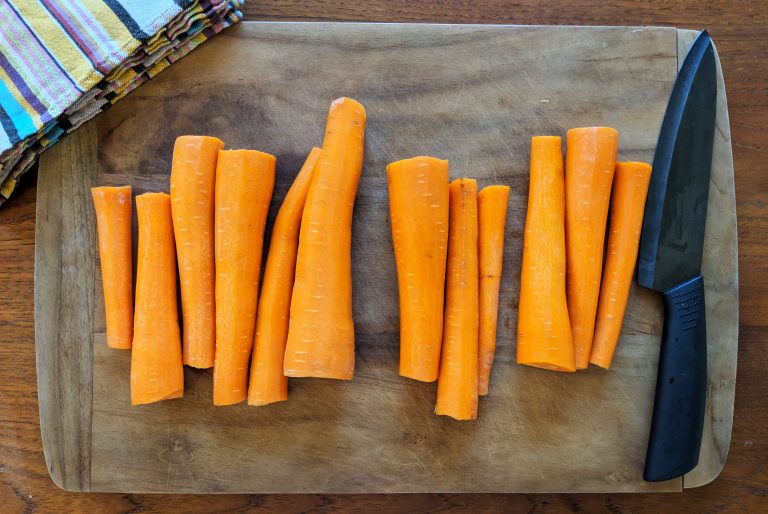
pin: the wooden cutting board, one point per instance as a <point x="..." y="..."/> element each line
<point x="471" y="94"/>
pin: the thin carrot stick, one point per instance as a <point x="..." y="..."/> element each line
<point x="157" y="372"/>
<point x="267" y="383"/>
<point x="113" y="219"/>
<point x="244" y="183"/>
<point x="630" y="187"/>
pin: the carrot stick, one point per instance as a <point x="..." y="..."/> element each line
<point x="630" y="187"/>
<point x="589" y="165"/>
<point x="113" y="219"/>
<point x="418" y="206"/>
<point x="543" y="330"/>
<point x="457" y="380"/>
<point x="492" y="216"/>
<point x="244" y="182"/>
<point x="267" y="383"/>
<point x="157" y="372"/>
<point x="321" y="334"/>
<point x="193" y="178"/>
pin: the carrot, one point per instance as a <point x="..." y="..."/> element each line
<point x="457" y="380"/>
<point x="418" y="206"/>
<point x="193" y="178"/>
<point x="113" y="220"/>
<point x="321" y="334"/>
<point x="157" y="372"/>
<point x="630" y="187"/>
<point x="543" y="329"/>
<point x="267" y="383"/>
<point x="589" y="165"/>
<point x="244" y="182"/>
<point x="492" y="216"/>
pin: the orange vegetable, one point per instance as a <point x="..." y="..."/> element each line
<point x="244" y="182"/>
<point x="457" y="381"/>
<point x="543" y="329"/>
<point x="630" y="187"/>
<point x="418" y="206"/>
<point x="589" y="166"/>
<point x="492" y="216"/>
<point x="157" y="372"/>
<point x="267" y="383"/>
<point x="113" y="220"/>
<point x="321" y="334"/>
<point x="193" y="179"/>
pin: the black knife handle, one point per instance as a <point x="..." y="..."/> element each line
<point x="681" y="385"/>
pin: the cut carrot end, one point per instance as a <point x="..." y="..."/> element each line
<point x="550" y="366"/>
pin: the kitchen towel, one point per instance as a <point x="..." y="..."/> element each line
<point x="64" y="61"/>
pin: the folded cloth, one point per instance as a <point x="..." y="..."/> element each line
<point x="64" y="61"/>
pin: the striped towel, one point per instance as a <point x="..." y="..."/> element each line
<point x="64" y="61"/>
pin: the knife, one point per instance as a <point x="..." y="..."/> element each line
<point x="669" y="261"/>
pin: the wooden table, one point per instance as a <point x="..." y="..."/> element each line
<point x="741" y="33"/>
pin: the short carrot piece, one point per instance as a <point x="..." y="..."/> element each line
<point x="321" y="333"/>
<point x="244" y="183"/>
<point x="589" y="166"/>
<point x="457" y="380"/>
<point x="418" y="206"/>
<point x="267" y="383"/>
<point x="543" y="329"/>
<point x="157" y="372"/>
<point x="113" y="220"/>
<point x="492" y="218"/>
<point x="193" y="179"/>
<point x="630" y="187"/>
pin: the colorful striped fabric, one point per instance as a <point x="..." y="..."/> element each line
<point x="64" y="61"/>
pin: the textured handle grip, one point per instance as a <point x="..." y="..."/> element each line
<point x="681" y="385"/>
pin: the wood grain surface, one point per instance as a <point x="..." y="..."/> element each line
<point x="739" y="29"/>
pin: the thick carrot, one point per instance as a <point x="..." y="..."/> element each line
<point x="543" y="330"/>
<point x="457" y="381"/>
<point x="589" y="166"/>
<point x="113" y="220"/>
<point x="418" y="206"/>
<point x="157" y="372"/>
<point x="492" y="217"/>
<point x="193" y="179"/>
<point x="321" y="334"/>
<point x="244" y="182"/>
<point x="630" y="187"/>
<point x="267" y="383"/>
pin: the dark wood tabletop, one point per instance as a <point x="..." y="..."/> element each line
<point x="740" y="30"/>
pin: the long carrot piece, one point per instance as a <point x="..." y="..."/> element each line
<point x="157" y="372"/>
<point x="244" y="183"/>
<point x="543" y="329"/>
<point x="418" y="206"/>
<point x="113" y="220"/>
<point x="630" y="187"/>
<point x="492" y="217"/>
<point x="457" y="381"/>
<point x="267" y="383"/>
<point x="589" y="166"/>
<point x="193" y="179"/>
<point x="321" y="334"/>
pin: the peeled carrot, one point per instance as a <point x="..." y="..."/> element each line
<point x="590" y="160"/>
<point x="543" y="329"/>
<point x="244" y="182"/>
<point x="113" y="220"/>
<point x="492" y="216"/>
<point x="630" y="187"/>
<point x="157" y="372"/>
<point x="457" y="380"/>
<point x="321" y="334"/>
<point x="267" y="383"/>
<point x="193" y="179"/>
<point x="418" y="206"/>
